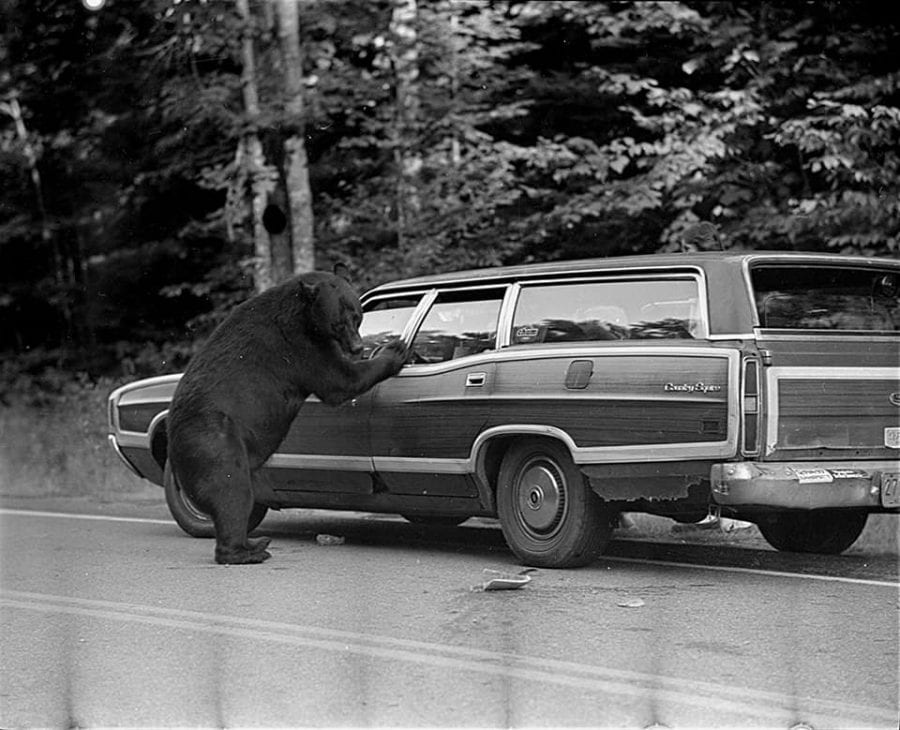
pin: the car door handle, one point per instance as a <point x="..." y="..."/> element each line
<point x="475" y="380"/>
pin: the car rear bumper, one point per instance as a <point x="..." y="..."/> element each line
<point x="871" y="485"/>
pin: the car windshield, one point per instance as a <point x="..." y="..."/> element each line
<point x="827" y="298"/>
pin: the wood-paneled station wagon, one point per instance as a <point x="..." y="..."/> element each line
<point x="555" y="396"/>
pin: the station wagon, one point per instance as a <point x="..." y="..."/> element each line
<point x="765" y="386"/>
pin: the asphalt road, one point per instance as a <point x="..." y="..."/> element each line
<point x="112" y="621"/>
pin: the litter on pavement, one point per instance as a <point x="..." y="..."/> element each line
<point x="497" y="580"/>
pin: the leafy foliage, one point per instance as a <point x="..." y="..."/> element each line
<point x="545" y="130"/>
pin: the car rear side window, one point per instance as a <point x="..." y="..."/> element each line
<point x="607" y="310"/>
<point x="827" y="298"/>
<point x="458" y="324"/>
<point x="384" y="321"/>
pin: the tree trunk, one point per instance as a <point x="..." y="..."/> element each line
<point x="262" y="177"/>
<point x="296" y="165"/>
<point x="14" y="110"/>
<point x="455" y="154"/>
<point x="405" y="45"/>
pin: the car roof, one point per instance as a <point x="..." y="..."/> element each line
<point x="692" y="260"/>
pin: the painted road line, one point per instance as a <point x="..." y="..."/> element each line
<point x="638" y="561"/>
<point x="78" y="516"/>
<point x="756" y="571"/>
<point x="694" y="693"/>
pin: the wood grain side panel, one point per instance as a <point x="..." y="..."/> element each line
<point x="429" y="414"/>
<point x="434" y="429"/>
<point x="629" y="400"/>
<point x="323" y="429"/>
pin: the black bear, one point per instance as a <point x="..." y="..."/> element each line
<point x="241" y="391"/>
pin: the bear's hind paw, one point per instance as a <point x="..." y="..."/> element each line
<point x="243" y="557"/>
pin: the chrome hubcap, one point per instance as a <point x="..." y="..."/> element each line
<point x="541" y="497"/>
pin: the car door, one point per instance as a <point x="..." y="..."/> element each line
<point x="425" y="420"/>
<point x="327" y="448"/>
<point x="619" y="367"/>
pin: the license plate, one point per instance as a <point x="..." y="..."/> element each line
<point x="890" y="489"/>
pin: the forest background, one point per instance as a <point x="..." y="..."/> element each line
<point x="161" y="159"/>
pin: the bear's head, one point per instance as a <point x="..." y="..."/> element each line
<point x="334" y="313"/>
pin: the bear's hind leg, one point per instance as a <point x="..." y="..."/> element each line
<point x="212" y="465"/>
<point x="231" y="516"/>
<point x="231" y="512"/>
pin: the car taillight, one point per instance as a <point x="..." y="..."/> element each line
<point x="750" y="407"/>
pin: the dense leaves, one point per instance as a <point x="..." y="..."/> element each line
<point x="540" y="130"/>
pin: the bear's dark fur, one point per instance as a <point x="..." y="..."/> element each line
<point x="241" y="391"/>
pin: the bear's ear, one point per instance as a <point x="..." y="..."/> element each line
<point x="342" y="271"/>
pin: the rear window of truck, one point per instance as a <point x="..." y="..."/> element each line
<point x="827" y="298"/>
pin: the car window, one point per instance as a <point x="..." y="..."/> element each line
<point x="607" y="310"/>
<point x="458" y="324"/>
<point x="827" y="298"/>
<point x="384" y="321"/>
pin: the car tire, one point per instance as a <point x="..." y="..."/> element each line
<point x="827" y="532"/>
<point x="436" y="520"/>
<point x="549" y="515"/>
<point x="193" y="520"/>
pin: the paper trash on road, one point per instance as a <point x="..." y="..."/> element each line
<point x="496" y="580"/>
<point x="631" y="603"/>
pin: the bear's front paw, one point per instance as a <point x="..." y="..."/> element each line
<point x="394" y="354"/>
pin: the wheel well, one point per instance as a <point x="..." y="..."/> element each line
<point x="159" y="444"/>
<point x="491" y="456"/>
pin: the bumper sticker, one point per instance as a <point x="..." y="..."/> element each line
<point x="849" y="474"/>
<point x="813" y="476"/>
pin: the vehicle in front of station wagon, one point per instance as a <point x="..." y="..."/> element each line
<point x="556" y="396"/>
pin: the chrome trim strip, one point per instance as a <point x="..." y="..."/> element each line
<point x="145" y="382"/>
<point x="804" y="372"/>
<point x="507" y="308"/>
<point x="136" y="440"/>
<point x="703" y="294"/>
<point x="742" y="396"/>
<point x="373" y="296"/>
<point x="412" y="325"/>
<point x="663" y="397"/>
<point x="143" y="401"/>
<point x="320" y="462"/>
<point x="423" y="466"/>
<point x="112" y="410"/>
<point x="154" y="424"/>
<point x="800" y="372"/>
<point x="766" y="335"/>
<point x="125" y="460"/>
<point x="716" y="338"/>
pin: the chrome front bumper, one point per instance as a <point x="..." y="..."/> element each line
<point x="871" y="485"/>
